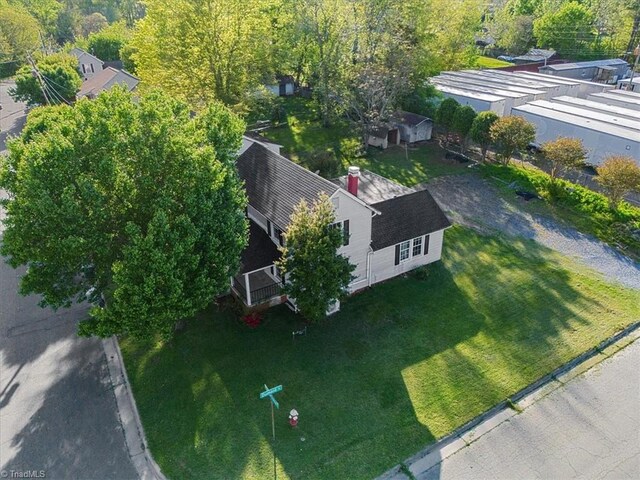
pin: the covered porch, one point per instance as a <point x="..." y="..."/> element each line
<point x="258" y="287"/>
<point x="258" y="281"/>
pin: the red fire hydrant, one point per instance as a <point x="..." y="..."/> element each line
<point x="293" y="418"/>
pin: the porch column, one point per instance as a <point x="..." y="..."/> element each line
<point x="246" y="286"/>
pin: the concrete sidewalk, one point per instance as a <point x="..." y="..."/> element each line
<point x="582" y="423"/>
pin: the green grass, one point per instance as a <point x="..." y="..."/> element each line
<point x="489" y="62"/>
<point x="303" y="132"/>
<point x="575" y="205"/>
<point x="401" y="365"/>
<point x="418" y="164"/>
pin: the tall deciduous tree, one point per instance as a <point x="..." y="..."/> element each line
<point x="19" y="33"/>
<point x="563" y="154"/>
<point x="135" y="202"/>
<point x="618" y="175"/>
<point x="58" y="81"/>
<point x="510" y="135"/>
<point x="200" y="50"/>
<point x="316" y="274"/>
<point x="445" y="114"/>
<point x="481" y="130"/>
<point x="107" y="43"/>
<point x="569" y="30"/>
<point x="462" y="123"/>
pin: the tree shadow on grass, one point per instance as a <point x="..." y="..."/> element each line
<point x="400" y="366"/>
<point x="343" y="376"/>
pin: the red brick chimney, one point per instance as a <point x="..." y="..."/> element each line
<point x="352" y="180"/>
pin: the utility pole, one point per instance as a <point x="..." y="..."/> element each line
<point x="36" y="73"/>
<point x="636" y="52"/>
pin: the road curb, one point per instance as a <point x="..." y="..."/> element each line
<point x="134" y="435"/>
<point x="502" y="412"/>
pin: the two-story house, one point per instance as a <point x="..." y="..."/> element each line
<point x="388" y="229"/>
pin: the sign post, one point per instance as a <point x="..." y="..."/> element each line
<point x="270" y="392"/>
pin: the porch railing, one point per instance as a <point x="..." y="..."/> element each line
<point x="262" y="294"/>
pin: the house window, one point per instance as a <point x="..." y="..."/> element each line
<point x="411" y="248"/>
<point x="417" y="247"/>
<point x="92" y="70"/>
<point x="84" y="68"/>
<point x="404" y="250"/>
<point x="344" y="228"/>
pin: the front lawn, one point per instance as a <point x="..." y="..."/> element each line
<point x="418" y="164"/>
<point x="400" y="366"/>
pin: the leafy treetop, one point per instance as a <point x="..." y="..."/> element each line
<point x="135" y="202"/>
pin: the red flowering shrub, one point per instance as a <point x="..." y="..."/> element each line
<point x="252" y="320"/>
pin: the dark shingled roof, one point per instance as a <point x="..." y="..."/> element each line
<point x="406" y="217"/>
<point x="411" y="119"/>
<point x="275" y="185"/>
<point x="261" y="251"/>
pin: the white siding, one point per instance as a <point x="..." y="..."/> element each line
<point x="257" y="217"/>
<point x="383" y="261"/>
<point x="359" y="216"/>
<point x="378" y="142"/>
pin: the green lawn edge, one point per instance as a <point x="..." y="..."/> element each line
<point x="400" y="366"/>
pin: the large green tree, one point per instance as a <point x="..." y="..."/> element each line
<point x="136" y="202"/>
<point x="200" y="50"/>
<point x="57" y="81"/>
<point x="316" y="274"/>
<point x="107" y="43"/>
<point x="462" y="123"/>
<point x="510" y="135"/>
<point x="569" y="30"/>
<point x="481" y="130"/>
<point x="19" y="33"/>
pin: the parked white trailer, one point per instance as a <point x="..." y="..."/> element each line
<point x="555" y="89"/>
<point x="534" y="94"/>
<point x="607" y="117"/>
<point x="585" y="88"/>
<point x="511" y="99"/>
<point x="601" y="139"/>
<point x="479" y="101"/>
<point x="599" y="107"/>
<point x="610" y="98"/>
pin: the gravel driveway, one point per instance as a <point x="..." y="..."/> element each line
<point x="473" y="201"/>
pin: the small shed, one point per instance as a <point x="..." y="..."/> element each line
<point x="382" y="136"/>
<point x="285" y="86"/>
<point x="413" y="127"/>
<point x="535" y="55"/>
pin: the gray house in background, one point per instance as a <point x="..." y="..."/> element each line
<point x="88" y="65"/>
<point x="608" y="71"/>
<point x="106" y="80"/>
<point x="413" y="127"/>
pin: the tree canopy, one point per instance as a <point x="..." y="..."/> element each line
<point x="134" y="204"/>
<point x="481" y="130"/>
<point x="58" y="81"/>
<point x="316" y="273"/>
<point x="19" y="33"/>
<point x="563" y="154"/>
<point x="510" y="135"/>
<point x="618" y="176"/>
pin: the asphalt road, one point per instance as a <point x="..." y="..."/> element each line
<point x="12" y="115"/>
<point x="589" y="429"/>
<point x="58" y="414"/>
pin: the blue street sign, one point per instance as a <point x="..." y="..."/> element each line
<point x="275" y="402"/>
<point x="270" y="391"/>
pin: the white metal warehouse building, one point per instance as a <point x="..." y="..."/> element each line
<point x="606" y="120"/>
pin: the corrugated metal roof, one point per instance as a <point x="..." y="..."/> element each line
<point x="589" y="64"/>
